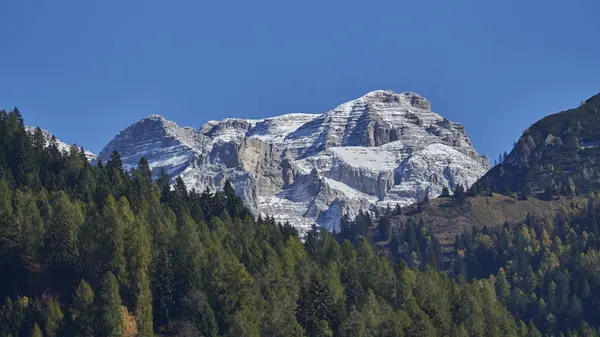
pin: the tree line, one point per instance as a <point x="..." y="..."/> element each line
<point x="95" y="250"/>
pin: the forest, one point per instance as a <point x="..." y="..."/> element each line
<point x="96" y="250"/>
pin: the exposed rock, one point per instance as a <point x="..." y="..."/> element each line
<point x="382" y="148"/>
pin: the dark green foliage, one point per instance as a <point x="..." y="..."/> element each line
<point x="546" y="270"/>
<point x="200" y="314"/>
<point x="559" y="151"/>
<point x="60" y="252"/>
<point x="36" y="331"/>
<point x="83" y="311"/>
<point x="445" y="192"/>
<point x="187" y="263"/>
<point x="317" y="308"/>
<point x="53" y="317"/>
<point x="362" y="226"/>
<point x="459" y="194"/>
<point x="416" y="246"/>
<point x="109" y="322"/>
<point x="385" y="228"/>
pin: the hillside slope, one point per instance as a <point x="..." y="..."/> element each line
<point x="447" y="218"/>
<point x="559" y="154"/>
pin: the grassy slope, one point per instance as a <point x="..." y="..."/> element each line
<point x="447" y="220"/>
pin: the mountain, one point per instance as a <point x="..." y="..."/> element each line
<point x="62" y="146"/>
<point x="559" y="154"/>
<point x="556" y="159"/>
<point x="136" y="262"/>
<point x="380" y="149"/>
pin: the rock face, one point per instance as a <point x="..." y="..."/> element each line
<point x="381" y="149"/>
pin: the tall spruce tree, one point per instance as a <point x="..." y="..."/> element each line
<point x="109" y="320"/>
<point x="83" y="311"/>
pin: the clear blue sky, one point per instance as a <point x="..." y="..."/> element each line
<point x="86" y="69"/>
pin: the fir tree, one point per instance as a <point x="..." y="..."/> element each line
<point x="109" y="322"/>
<point x="445" y="192"/>
<point x="36" y="331"/>
<point x="385" y="228"/>
<point x="82" y="310"/>
<point x="53" y="317"/>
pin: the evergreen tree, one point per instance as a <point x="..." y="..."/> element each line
<point x="36" y="331"/>
<point x="114" y="219"/>
<point x="201" y="315"/>
<point x="190" y="263"/>
<point x="459" y="194"/>
<point x="138" y="256"/>
<point x="10" y="240"/>
<point x="445" y="192"/>
<point x="189" y="257"/>
<point x="53" y="317"/>
<point x="317" y="308"/>
<point x="502" y="286"/>
<point x="61" y="255"/>
<point x="385" y="228"/>
<point x="82" y="310"/>
<point x="109" y="322"/>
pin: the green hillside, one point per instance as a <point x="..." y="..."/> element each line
<point x="559" y="154"/>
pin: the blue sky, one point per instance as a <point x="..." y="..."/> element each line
<point x="86" y="69"/>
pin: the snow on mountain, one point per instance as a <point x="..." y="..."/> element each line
<point x="62" y="146"/>
<point x="382" y="148"/>
<point x="162" y="142"/>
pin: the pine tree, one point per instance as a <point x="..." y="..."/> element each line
<point x="32" y="226"/>
<point x="502" y="286"/>
<point x="163" y="288"/>
<point x="61" y="254"/>
<point x="459" y="194"/>
<point x="189" y="257"/>
<point x="445" y="192"/>
<point x="397" y="210"/>
<point x="385" y="228"/>
<point x="10" y="240"/>
<point x="233" y="203"/>
<point x="116" y="178"/>
<point x="36" y="331"/>
<point x="198" y="311"/>
<point x="53" y="318"/>
<point x="9" y="229"/>
<point x="317" y="307"/>
<point x="82" y="310"/>
<point x="109" y="322"/>
<point x="138" y="256"/>
<point x="114" y="219"/>
<point x="145" y="171"/>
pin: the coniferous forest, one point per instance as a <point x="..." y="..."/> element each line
<point x="99" y="251"/>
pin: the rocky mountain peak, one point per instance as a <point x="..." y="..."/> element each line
<point x="379" y="149"/>
<point x="406" y="98"/>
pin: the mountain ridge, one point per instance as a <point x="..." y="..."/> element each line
<point x="381" y="148"/>
<point x="557" y="154"/>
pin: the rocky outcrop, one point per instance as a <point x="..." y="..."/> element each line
<point x="380" y="149"/>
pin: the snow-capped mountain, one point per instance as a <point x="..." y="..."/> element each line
<point x="62" y="146"/>
<point x="382" y="148"/>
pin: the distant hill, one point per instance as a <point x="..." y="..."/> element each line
<point x="559" y="154"/>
